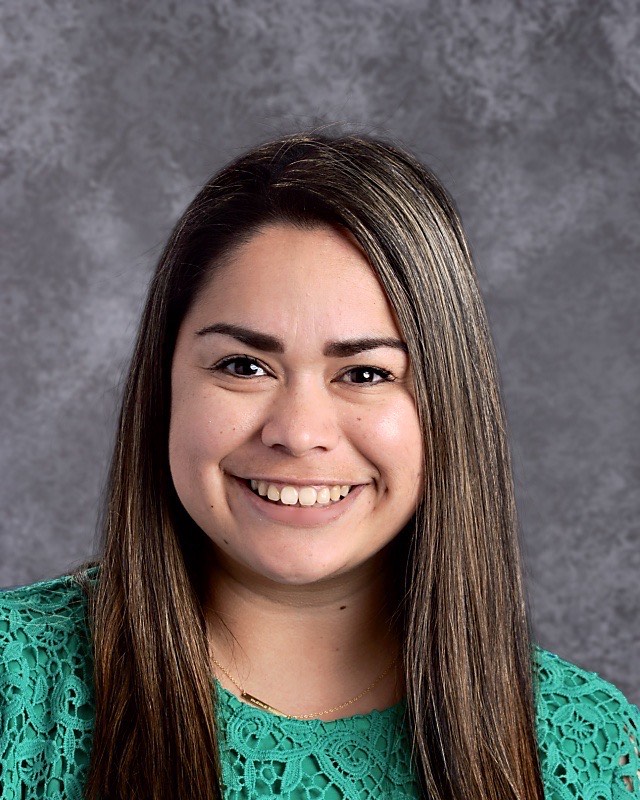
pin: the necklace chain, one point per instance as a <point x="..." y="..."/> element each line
<point x="266" y="707"/>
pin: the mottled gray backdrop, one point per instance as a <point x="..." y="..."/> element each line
<point x="116" y="112"/>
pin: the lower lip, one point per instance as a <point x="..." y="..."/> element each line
<point x="298" y="515"/>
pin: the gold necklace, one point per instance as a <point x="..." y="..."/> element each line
<point x="261" y="704"/>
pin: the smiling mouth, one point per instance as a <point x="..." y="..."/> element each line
<point x="298" y="497"/>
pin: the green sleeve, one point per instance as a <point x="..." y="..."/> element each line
<point x="587" y="734"/>
<point x="46" y="704"/>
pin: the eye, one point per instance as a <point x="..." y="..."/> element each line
<point x="368" y="373"/>
<point x="247" y="367"/>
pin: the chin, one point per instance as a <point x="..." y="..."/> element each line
<point x="295" y="571"/>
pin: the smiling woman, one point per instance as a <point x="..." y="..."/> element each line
<point x="310" y="582"/>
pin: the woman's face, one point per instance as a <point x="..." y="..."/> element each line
<point x="276" y="377"/>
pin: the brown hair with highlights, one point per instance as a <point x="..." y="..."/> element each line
<point x="461" y="612"/>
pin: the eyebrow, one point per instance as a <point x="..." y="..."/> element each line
<point x="271" y="344"/>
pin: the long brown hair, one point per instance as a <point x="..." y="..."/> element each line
<point x="466" y="641"/>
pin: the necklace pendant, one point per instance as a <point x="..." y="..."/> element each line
<point x="261" y="704"/>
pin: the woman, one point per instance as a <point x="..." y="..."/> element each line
<point x="310" y="581"/>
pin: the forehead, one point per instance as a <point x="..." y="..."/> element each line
<point x="297" y="282"/>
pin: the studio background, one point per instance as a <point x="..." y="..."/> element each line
<point x="116" y="112"/>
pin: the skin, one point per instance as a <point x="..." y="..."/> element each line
<point x="295" y="613"/>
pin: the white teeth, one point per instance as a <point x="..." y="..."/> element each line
<point x="324" y="496"/>
<point x="307" y="496"/>
<point x="288" y="496"/>
<point x="304" y="496"/>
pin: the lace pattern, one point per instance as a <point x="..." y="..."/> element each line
<point x="587" y="730"/>
<point x="587" y="734"/>
<point x="46" y="695"/>
<point x="364" y="755"/>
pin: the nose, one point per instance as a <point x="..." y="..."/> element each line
<point x="302" y="418"/>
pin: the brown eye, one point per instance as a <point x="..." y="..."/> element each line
<point x="244" y="367"/>
<point x="368" y="374"/>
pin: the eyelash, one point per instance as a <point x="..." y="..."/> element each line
<point x="220" y="366"/>
<point x="387" y="377"/>
<point x="384" y="374"/>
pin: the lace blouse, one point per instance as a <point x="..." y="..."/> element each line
<point x="587" y="730"/>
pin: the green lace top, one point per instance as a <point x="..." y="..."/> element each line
<point x="587" y="730"/>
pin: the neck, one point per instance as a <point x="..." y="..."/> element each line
<point x="304" y="648"/>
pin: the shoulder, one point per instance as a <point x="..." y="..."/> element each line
<point x="563" y="688"/>
<point x="588" y="732"/>
<point x="46" y="686"/>
<point x="29" y="612"/>
<point x="43" y="629"/>
<point x="42" y="593"/>
<point x="45" y="646"/>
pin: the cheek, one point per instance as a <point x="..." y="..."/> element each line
<point x="199" y="438"/>
<point x="202" y="428"/>
<point x="393" y="441"/>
